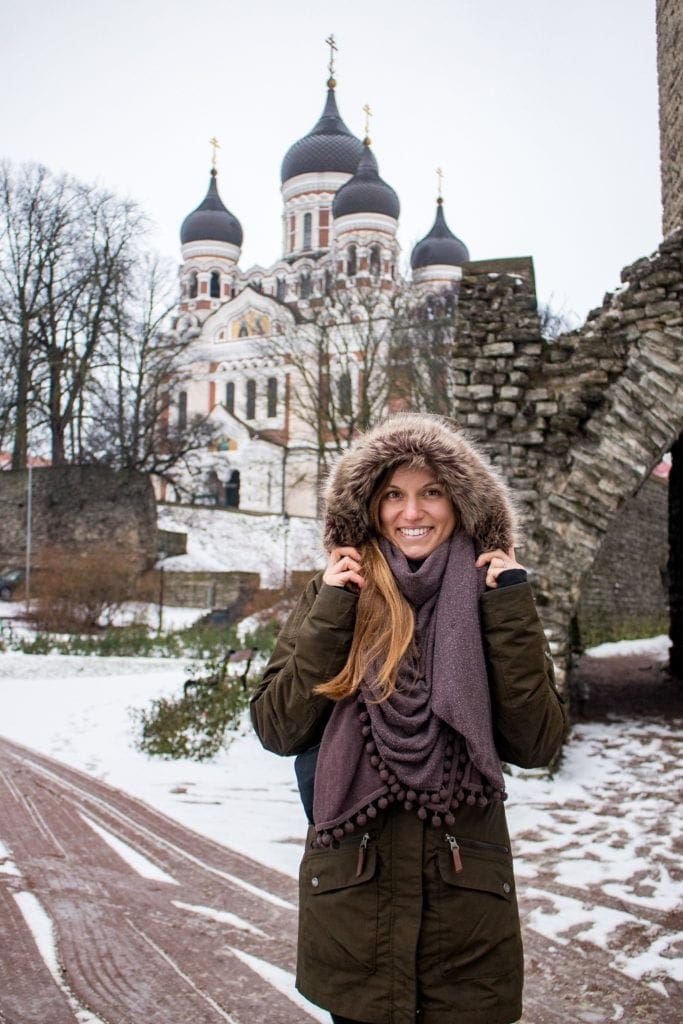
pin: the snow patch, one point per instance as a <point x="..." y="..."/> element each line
<point x="282" y="980"/>
<point x="223" y="916"/>
<point x="137" y="861"/>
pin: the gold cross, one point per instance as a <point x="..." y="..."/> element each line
<point x="368" y="115"/>
<point x="333" y="48"/>
<point x="215" y="144"/>
<point x="439" y="174"/>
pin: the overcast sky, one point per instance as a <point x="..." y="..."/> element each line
<point x="542" y="114"/>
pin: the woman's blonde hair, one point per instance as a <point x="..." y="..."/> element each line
<point x="385" y="622"/>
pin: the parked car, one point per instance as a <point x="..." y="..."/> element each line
<point x="11" y="581"/>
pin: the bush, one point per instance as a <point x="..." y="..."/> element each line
<point x="195" y="725"/>
<point x="78" y="591"/>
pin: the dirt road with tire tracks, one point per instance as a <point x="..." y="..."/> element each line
<point x="111" y="913"/>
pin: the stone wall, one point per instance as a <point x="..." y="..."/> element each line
<point x="625" y="592"/>
<point x="78" y="507"/>
<point x="201" y="589"/>
<point x="576" y="424"/>
<point x="670" y="73"/>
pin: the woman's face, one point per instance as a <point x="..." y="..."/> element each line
<point x="415" y="513"/>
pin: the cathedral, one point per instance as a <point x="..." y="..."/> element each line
<point x="339" y="227"/>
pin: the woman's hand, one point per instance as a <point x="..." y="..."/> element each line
<point x="343" y="567"/>
<point x="498" y="561"/>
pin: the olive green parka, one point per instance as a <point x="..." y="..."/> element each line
<point x="401" y="915"/>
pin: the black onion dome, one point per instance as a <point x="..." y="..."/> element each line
<point x="440" y="246"/>
<point x="329" y="146"/>
<point x="365" y="192"/>
<point x="211" y="221"/>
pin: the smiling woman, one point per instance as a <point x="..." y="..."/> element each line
<point x="410" y="667"/>
<point x="415" y="513"/>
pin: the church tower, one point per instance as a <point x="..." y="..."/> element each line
<point x="211" y="240"/>
<point x="436" y="260"/>
<point x="313" y="169"/>
<point x="365" y="220"/>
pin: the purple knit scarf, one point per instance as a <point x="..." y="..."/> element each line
<point x="430" y="745"/>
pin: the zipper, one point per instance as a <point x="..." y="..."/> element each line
<point x="361" y="854"/>
<point x="478" y="843"/>
<point x="455" y="851"/>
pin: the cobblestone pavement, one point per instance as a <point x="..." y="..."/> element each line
<point x="168" y="927"/>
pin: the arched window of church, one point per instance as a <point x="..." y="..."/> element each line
<point x="230" y="396"/>
<point x="450" y="304"/>
<point x="375" y="260"/>
<point x="305" y="284"/>
<point x="256" y="284"/>
<point x="215" y="285"/>
<point x="182" y="410"/>
<point x="280" y="286"/>
<point x="351" y="261"/>
<point x="344" y="394"/>
<point x="430" y="307"/>
<point x="308" y="230"/>
<point x="232" y="490"/>
<point x="251" y="399"/>
<point x="194" y="285"/>
<point x="272" y="396"/>
<point x="328" y="282"/>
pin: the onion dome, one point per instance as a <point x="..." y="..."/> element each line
<point x="329" y="146"/>
<point x="440" y="247"/>
<point x="365" y="192"/>
<point x="211" y="221"/>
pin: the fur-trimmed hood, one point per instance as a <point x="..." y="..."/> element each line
<point x="478" y="493"/>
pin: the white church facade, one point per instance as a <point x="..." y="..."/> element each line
<point x="339" y="227"/>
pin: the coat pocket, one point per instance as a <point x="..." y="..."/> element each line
<point x="338" y="907"/>
<point x="479" y="933"/>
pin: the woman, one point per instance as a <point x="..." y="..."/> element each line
<point x="416" y="661"/>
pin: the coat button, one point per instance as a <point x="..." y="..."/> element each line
<point x="507" y="887"/>
<point x="315" y="882"/>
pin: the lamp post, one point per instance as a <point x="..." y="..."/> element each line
<point x="29" y="517"/>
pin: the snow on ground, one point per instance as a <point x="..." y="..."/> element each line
<point x="656" y="646"/>
<point x="595" y="845"/>
<point x="223" y="540"/>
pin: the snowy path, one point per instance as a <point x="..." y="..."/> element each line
<point x="136" y="918"/>
<point x="165" y="893"/>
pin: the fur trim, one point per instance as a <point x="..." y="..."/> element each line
<point x="475" y="487"/>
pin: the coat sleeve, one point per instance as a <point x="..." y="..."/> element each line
<point x="529" y="714"/>
<point x="311" y="649"/>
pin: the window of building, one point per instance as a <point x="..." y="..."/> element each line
<point x="182" y="410"/>
<point x="344" y="394"/>
<point x="280" y="288"/>
<point x="308" y="230"/>
<point x="232" y="490"/>
<point x="194" y="285"/>
<point x="215" y="285"/>
<point x="305" y="284"/>
<point x="256" y="284"/>
<point x="351" y="261"/>
<point x="272" y="396"/>
<point x="324" y="229"/>
<point x="230" y="396"/>
<point x="375" y="260"/>
<point x="292" y="232"/>
<point x="251" y="399"/>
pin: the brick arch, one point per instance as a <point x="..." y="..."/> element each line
<point x="578" y="423"/>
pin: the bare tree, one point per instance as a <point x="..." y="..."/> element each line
<point x="423" y="344"/>
<point x="65" y="250"/>
<point x="133" y="420"/>
<point x="338" y="359"/>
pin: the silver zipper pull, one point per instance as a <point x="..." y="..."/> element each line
<point x="361" y="854"/>
<point x="455" y="850"/>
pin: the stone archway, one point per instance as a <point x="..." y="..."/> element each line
<point x="578" y="423"/>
